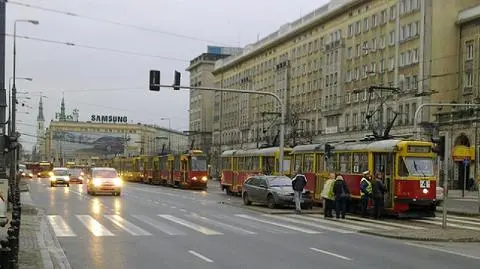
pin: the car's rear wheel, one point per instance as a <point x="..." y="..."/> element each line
<point x="246" y="201"/>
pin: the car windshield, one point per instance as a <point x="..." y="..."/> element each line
<point x="60" y="172"/>
<point x="280" y="182"/>
<point x="199" y="163"/>
<point x="75" y="172"/>
<point x="419" y="166"/>
<point x="105" y="173"/>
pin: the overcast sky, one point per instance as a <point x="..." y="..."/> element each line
<point x="108" y="83"/>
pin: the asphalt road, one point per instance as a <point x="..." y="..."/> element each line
<point x="159" y="227"/>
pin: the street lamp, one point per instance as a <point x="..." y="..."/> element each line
<point x="169" y="133"/>
<point x="13" y="161"/>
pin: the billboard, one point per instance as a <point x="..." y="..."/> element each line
<point x="73" y="144"/>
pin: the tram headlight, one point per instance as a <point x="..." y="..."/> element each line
<point x="204" y="178"/>
<point x="425" y="191"/>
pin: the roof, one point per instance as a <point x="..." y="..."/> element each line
<point x="388" y="145"/>
<point x="468" y="14"/>
<point x="253" y="152"/>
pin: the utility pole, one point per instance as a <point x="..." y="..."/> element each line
<point x="3" y="93"/>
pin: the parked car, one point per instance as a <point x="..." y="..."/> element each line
<point x="104" y="180"/>
<point x="272" y="191"/>
<point x="76" y="175"/>
<point x="59" y="176"/>
<point x="27" y="174"/>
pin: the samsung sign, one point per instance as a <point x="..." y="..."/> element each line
<point x="109" y="119"/>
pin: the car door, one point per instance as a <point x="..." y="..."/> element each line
<point x="262" y="190"/>
<point x="249" y="188"/>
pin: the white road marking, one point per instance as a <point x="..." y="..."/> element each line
<point x="331" y="254"/>
<point x="334" y="223"/>
<point x="319" y="226"/>
<point x="387" y="223"/>
<point x="190" y="225"/>
<point x="156" y="202"/>
<point x="460" y="221"/>
<point x="298" y="229"/>
<point x="464" y="218"/>
<point x="170" y="230"/>
<point x="183" y="210"/>
<point x="60" y="226"/>
<point x="443" y="250"/>
<point x="164" y="204"/>
<point x="94" y="226"/>
<point x="173" y="207"/>
<point x="200" y="256"/>
<point x="252" y="225"/>
<point x="220" y="224"/>
<point x="449" y="224"/>
<point x="126" y="225"/>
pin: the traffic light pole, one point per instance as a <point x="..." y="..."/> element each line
<point x="279" y="100"/>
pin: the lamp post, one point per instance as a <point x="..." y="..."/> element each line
<point x="169" y="133"/>
<point x="13" y="163"/>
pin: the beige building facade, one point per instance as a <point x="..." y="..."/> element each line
<point x="323" y="64"/>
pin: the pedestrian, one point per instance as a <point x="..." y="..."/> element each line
<point x="298" y="184"/>
<point x="328" y="197"/>
<point x="379" y="191"/>
<point x="342" y="194"/>
<point x="365" y="192"/>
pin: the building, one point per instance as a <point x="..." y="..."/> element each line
<point x="82" y="142"/>
<point x="460" y="124"/>
<point x="200" y="110"/>
<point x="324" y="64"/>
<point x="40" y="133"/>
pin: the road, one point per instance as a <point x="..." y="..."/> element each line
<point x="159" y="227"/>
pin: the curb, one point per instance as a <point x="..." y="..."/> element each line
<point x="459" y="213"/>
<point x="425" y="239"/>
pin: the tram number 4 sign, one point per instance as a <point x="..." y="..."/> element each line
<point x="425" y="184"/>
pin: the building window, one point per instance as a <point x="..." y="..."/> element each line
<point x="393" y="13"/>
<point x="407" y="114"/>
<point x="373" y="68"/>
<point x="347" y="120"/>
<point x="365" y="25"/>
<point x="358" y="27"/>
<point x="415" y="56"/>
<point x="414" y="109"/>
<point x="350" y="30"/>
<point x="469" y="79"/>
<point x="357" y="73"/>
<point x="414" y="82"/>
<point x="392" y="38"/>
<point x="391" y="63"/>
<point x="347" y="97"/>
<point x="383" y="16"/>
<point x="358" y="49"/>
<point x="364" y="71"/>
<point x="469" y="50"/>
<point x="349" y="52"/>
<point x="355" y="119"/>
<point x="402" y="59"/>
<point x="374" y="44"/>
<point x="374" y="20"/>
<point x="365" y="47"/>
<point x="382" y="66"/>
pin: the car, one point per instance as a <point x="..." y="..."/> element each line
<point x="27" y="174"/>
<point x="104" y="180"/>
<point x="59" y="176"/>
<point x="76" y="175"/>
<point x="272" y="191"/>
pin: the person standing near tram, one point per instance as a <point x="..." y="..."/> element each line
<point x="328" y="196"/>
<point x="298" y="184"/>
<point x="379" y="191"/>
<point x="365" y="192"/>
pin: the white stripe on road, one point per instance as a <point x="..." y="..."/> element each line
<point x="319" y="226"/>
<point x="60" y="226"/>
<point x="252" y="225"/>
<point x="190" y="225"/>
<point x="443" y="250"/>
<point x="331" y="254"/>
<point x="298" y="229"/>
<point x="200" y="256"/>
<point x="158" y="225"/>
<point x="94" y="226"/>
<point x="335" y="223"/>
<point x="449" y="224"/>
<point x="387" y="223"/>
<point x="460" y="221"/>
<point x="222" y="225"/>
<point x="126" y="225"/>
<point x="464" y="218"/>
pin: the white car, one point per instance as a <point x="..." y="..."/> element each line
<point x="58" y="176"/>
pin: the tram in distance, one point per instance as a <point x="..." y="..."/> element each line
<point x="186" y="170"/>
<point x="407" y="166"/>
<point x="238" y="165"/>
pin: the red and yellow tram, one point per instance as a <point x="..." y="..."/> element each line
<point x="238" y="165"/>
<point x="408" y="168"/>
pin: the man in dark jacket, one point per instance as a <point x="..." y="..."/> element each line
<point x="298" y="184"/>
<point x="379" y="191"/>
<point x="341" y="192"/>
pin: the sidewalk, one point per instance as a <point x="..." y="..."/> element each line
<point x="39" y="247"/>
<point x="456" y="204"/>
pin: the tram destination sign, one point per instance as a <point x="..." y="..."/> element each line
<point x="109" y="119"/>
<point x="419" y="149"/>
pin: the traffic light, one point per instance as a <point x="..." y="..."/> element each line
<point x="439" y="146"/>
<point x="176" y="81"/>
<point x="328" y="150"/>
<point x="155" y="80"/>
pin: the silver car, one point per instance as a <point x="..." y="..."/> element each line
<point x="272" y="191"/>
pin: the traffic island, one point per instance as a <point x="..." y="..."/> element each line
<point x="430" y="234"/>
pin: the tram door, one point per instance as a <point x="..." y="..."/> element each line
<point x="384" y="162"/>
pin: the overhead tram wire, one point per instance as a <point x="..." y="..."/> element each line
<point x="113" y="50"/>
<point x="121" y="24"/>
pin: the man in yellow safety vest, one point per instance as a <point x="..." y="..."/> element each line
<point x="365" y="192"/>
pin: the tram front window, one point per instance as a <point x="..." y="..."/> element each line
<point x="419" y="166"/>
<point x="199" y="163"/>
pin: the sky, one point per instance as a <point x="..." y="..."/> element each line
<point x="98" y="80"/>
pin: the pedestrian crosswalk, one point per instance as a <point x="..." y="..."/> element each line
<point x="183" y="224"/>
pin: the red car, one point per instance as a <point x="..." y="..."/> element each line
<point x="76" y="175"/>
